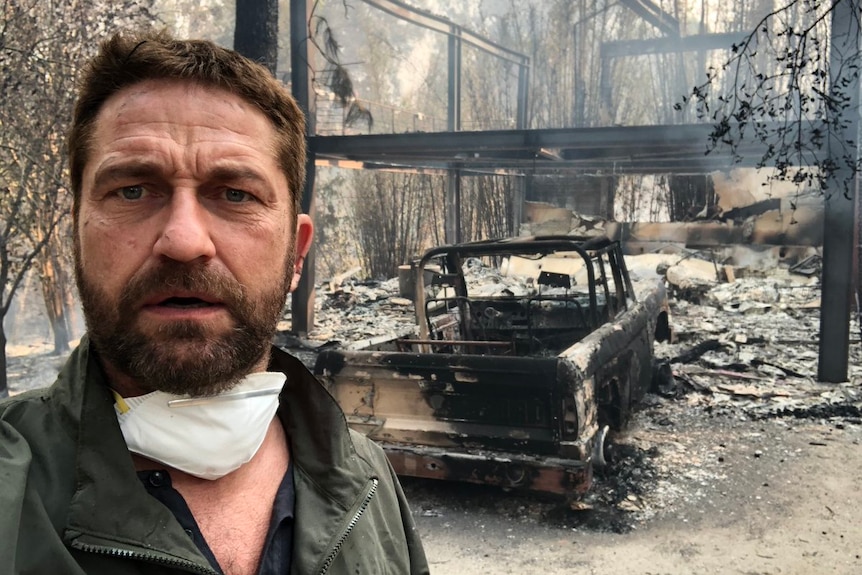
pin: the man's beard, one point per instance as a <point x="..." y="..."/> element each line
<point x="181" y="357"/>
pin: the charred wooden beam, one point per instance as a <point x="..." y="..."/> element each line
<point x="693" y="43"/>
<point x="649" y="11"/>
<point x="643" y="149"/>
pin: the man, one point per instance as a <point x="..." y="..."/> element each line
<point x="176" y="440"/>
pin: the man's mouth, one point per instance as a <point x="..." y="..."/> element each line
<point x="185" y="303"/>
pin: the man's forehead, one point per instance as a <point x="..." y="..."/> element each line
<point x="185" y="112"/>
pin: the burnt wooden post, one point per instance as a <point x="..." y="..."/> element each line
<point x="839" y="224"/>
<point x="302" y="303"/>
<point x="256" y="31"/>
<point x="452" y="225"/>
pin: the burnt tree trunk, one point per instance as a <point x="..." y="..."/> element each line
<point x="4" y="391"/>
<point x="54" y="286"/>
<point x="256" y="32"/>
<point x="691" y="196"/>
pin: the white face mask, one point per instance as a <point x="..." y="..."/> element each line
<point x="207" y="437"/>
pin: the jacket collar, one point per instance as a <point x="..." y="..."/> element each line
<point x="320" y="444"/>
<point x="111" y="507"/>
<point x="331" y="478"/>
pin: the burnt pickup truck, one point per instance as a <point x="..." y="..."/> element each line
<point x="526" y="352"/>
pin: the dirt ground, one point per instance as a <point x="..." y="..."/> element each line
<point x="706" y="494"/>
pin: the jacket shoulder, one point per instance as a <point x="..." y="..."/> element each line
<point x="370" y="451"/>
<point x="27" y="412"/>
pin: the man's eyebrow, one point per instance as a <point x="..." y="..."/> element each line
<point x="125" y="171"/>
<point x="144" y="170"/>
<point x="233" y="174"/>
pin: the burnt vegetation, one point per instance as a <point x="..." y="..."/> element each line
<point x="791" y="84"/>
<point x="335" y="75"/>
<point x="41" y="46"/>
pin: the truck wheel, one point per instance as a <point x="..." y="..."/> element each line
<point x="599" y="444"/>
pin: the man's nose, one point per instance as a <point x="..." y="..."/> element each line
<point x="185" y="234"/>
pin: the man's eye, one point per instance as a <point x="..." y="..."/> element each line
<point x="233" y="195"/>
<point x="131" y="192"/>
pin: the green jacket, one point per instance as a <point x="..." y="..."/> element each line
<point x="71" y="502"/>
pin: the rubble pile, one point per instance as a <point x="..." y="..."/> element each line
<point x="746" y="351"/>
<point x="751" y="346"/>
<point x="741" y="376"/>
<point x="355" y="312"/>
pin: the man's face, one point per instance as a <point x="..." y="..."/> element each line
<point x="186" y="240"/>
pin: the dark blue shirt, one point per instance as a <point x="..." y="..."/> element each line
<point x="275" y="559"/>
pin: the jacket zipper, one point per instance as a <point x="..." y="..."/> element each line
<point x="126" y="554"/>
<point x="346" y="533"/>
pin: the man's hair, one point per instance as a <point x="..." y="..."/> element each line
<point x="128" y="58"/>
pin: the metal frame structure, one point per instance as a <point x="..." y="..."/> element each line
<point x="638" y="149"/>
<point x="645" y="149"/>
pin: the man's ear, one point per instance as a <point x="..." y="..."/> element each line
<point x="304" y="235"/>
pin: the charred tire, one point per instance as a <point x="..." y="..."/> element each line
<point x="599" y="444"/>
